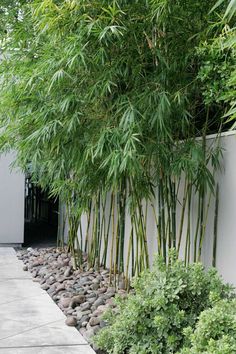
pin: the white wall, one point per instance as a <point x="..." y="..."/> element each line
<point x="226" y="241"/>
<point x="11" y="202"/>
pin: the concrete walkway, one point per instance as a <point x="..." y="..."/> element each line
<point x="30" y="322"/>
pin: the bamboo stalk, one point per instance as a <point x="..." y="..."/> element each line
<point x="91" y="251"/>
<point x="88" y="226"/>
<point x="104" y="259"/>
<point x="81" y="234"/>
<point x="187" y="242"/>
<point x="137" y="269"/>
<point x="215" y="226"/>
<point x="186" y="188"/>
<point x="128" y="257"/>
<point x="168" y="231"/>
<point x="197" y="228"/>
<point x="160" y="223"/>
<point x="98" y="232"/>
<point x="156" y="222"/>
<point x="203" y="226"/>
<point x="163" y="219"/>
<point x="144" y="236"/>
<point x="103" y="224"/>
<point x="113" y="240"/>
<point x="173" y="211"/>
<point x="122" y="205"/>
<point x="116" y="265"/>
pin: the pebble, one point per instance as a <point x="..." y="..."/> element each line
<point x="60" y="288"/>
<point x="95" y="286"/>
<point x="94" y="321"/>
<point x="65" y="302"/>
<point x="45" y="286"/>
<point x="92" y="300"/>
<point x="67" y="272"/>
<point x="91" y="295"/>
<point x="85" y="306"/>
<point x="98" y="302"/>
<point x="79" y="299"/>
<point x="71" y="321"/>
<point x="89" y="334"/>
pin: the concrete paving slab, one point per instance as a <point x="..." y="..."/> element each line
<point x="7" y="251"/>
<point x="12" y="271"/>
<point x="77" y="349"/>
<point x="25" y="288"/>
<point x="30" y="320"/>
<point x="48" y="334"/>
<point x="10" y="327"/>
<point x="8" y="259"/>
<point x="37" y="309"/>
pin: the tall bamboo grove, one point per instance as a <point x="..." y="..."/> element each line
<point x="103" y="101"/>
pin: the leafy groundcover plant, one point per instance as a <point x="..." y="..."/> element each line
<point x="166" y="302"/>
<point x="215" y="331"/>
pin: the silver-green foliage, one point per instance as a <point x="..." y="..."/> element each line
<point x="215" y="331"/>
<point x="166" y="301"/>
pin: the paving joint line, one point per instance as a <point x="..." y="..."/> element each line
<point x="31" y="329"/>
<point x="2" y="280"/>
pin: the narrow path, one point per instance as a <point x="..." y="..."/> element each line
<point x="30" y="322"/>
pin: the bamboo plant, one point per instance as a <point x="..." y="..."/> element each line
<point x="103" y="102"/>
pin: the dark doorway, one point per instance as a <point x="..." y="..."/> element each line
<point x="41" y="217"/>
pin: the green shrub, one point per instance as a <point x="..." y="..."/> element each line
<point x="166" y="301"/>
<point x="215" y="331"/>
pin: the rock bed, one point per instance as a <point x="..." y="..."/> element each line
<point x="83" y="295"/>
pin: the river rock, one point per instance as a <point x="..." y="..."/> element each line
<point x="94" y="321"/>
<point x="71" y="321"/>
<point x="92" y="300"/>
<point x="84" y="319"/>
<point x="82" y="330"/>
<point x="65" y="302"/>
<point x="103" y="324"/>
<point x="85" y="306"/>
<point x="67" y="272"/>
<point x="45" y="286"/>
<point x="89" y="334"/>
<point x="102" y="290"/>
<point x="95" y="286"/>
<point x="60" y="288"/>
<point x="91" y="295"/>
<point x="100" y="310"/>
<point x="111" y="302"/>
<point x="100" y="301"/>
<point x="79" y="299"/>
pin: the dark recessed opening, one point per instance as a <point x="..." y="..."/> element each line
<point x="41" y="217"/>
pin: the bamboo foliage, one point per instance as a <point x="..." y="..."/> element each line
<point x="103" y="102"/>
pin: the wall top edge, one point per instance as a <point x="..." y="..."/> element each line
<point x="217" y="135"/>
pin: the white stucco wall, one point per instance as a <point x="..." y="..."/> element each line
<point x="11" y="202"/>
<point x="226" y="241"/>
